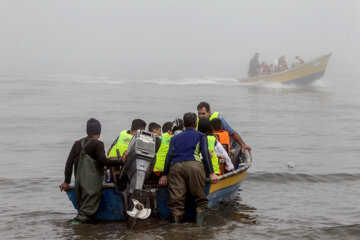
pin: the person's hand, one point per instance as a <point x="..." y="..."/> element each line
<point x="163" y="181"/>
<point x="124" y="156"/>
<point x="64" y="187"/>
<point x="213" y="178"/>
<point x="245" y="147"/>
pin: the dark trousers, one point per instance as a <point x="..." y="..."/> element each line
<point x="184" y="178"/>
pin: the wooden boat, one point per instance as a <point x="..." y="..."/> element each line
<point x="112" y="207"/>
<point x="306" y="73"/>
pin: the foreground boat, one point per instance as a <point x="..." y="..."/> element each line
<point x="306" y="73"/>
<point x="112" y="206"/>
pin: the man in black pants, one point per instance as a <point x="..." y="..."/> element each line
<point x="88" y="158"/>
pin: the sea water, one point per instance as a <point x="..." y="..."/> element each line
<point x="315" y="128"/>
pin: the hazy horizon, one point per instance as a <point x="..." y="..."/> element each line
<point x="150" y="39"/>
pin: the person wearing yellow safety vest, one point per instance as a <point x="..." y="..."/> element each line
<point x="122" y="142"/>
<point x="204" y="111"/>
<point x="214" y="146"/>
<point x="164" y="147"/>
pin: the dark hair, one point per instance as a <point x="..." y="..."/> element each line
<point x="205" y="126"/>
<point x="153" y="126"/>
<point x="203" y="105"/>
<point x="166" y="127"/>
<point x="93" y="127"/>
<point x="216" y="124"/>
<point x="138" y="124"/>
<point x="189" y="119"/>
<point x="177" y="124"/>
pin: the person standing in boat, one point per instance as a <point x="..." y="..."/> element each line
<point x="254" y="66"/>
<point x="88" y="157"/>
<point x="204" y="111"/>
<point x="184" y="170"/>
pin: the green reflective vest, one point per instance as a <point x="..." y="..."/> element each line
<point x="161" y="154"/>
<point x="121" y="144"/>
<point x="214" y="158"/>
<point x="212" y="116"/>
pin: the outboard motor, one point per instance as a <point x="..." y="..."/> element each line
<point x="138" y="167"/>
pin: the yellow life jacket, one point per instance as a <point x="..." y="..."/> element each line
<point x="214" y="158"/>
<point x="121" y="144"/>
<point x="212" y="116"/>
<point x="161" y="154"/>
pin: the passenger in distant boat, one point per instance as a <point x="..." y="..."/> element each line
<point x="298" y="61"/>
<point x="264" y="69"/>
<point x="88" y="157"/>
<point x="184" y="170"/>
<point x="254" y="66"/>
<point x="271" y="68"/>
<point x="204" y="111"/>
<point x="282" y="65"/>
<point x="215" y="147"/>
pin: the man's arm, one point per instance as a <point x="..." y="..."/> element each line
<point x="239" y="140"/>
<point x="68" y="170"/>
<point x="101" y="157"/>
<point x="233" y="134"/>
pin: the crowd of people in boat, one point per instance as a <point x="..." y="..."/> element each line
<point x="257" y="69"/>
<point x="187" y="151"/>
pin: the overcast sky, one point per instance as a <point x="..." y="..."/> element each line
<point x="168" y="38"/>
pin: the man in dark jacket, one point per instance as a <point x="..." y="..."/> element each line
<point x="88" y="158"/>
<point x="254" y="66"/>
<point x="185" y="170"/>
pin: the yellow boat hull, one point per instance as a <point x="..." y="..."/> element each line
<point x="303" y="74"/>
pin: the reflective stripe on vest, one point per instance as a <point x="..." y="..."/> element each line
<point x="214" y="158"/>
<point x="161" y="154"/>
<point x="223" y="137"/>
<point x="122" y="144"/>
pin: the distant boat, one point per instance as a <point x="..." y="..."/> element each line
<point x="112" y="206"/>
<point x="306" y="73"/>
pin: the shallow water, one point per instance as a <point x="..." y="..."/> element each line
<point x="316" y="127"/>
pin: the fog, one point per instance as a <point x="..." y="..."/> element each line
<point x="173" y="39"/>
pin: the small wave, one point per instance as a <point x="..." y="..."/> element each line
<point x="301" y="177"/>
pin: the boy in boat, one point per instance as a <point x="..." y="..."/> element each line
<point x="169" y="129"/>
<point x="164" y="147"/>
<point x="184" y="171"/>
<point x="155" y="129"/>
<point x="204" y="111"/>
<point x="88" y="157"/>
<point x="215" y="147"/>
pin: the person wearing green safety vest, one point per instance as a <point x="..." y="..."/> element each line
<point x="204" y="111"/>
<point x="122" y="142"/>
<point x="164" y="147"/>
